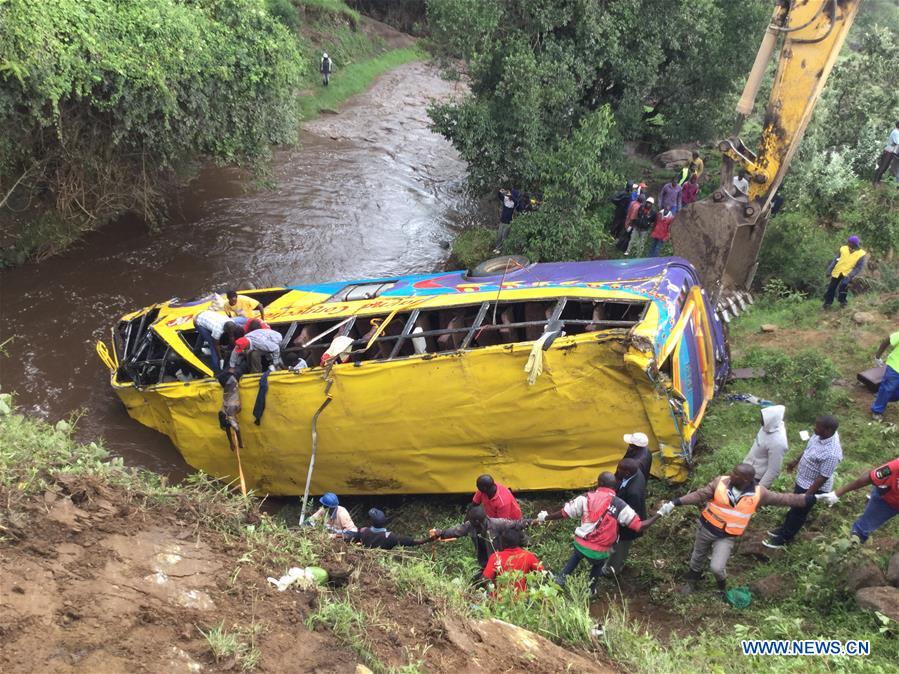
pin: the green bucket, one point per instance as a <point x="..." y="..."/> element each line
<point x="739" y="597"/>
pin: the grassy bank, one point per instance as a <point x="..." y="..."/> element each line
<point x="353" y="79"/>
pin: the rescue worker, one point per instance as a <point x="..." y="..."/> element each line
<point x="243" y="306"/>
<point x="697" y="166"/>
<point x="377" y="535"/>
<point x="660" y="232"/>
<point x="601" y="512"/>
<point x="889" y="156"/>
<point x="335" y="517"/>
<point x="638" y="449"/>
<point x="484" y="532"/>
<point x="689" y="191"/>
<point x="817" y="465"/>
<point x="646" y="218"/>
<point x="633" y="209"/>
<point x="325" y="69"/>
<point x="883" y="502"/>
<point x="730" y="502"/>
<point x="514" y="558"/>
<point x="767" y="453"/>
<point x="212" y="327"/>
<point x="252" y="347"/>
<point x="741" y="186"/>
<point x="670" y="195"/>
<point x="497" y="499"/>
<point x="889" y="386"/>
<point x="845" y="266"/>
<point x="631" y="490"/>
<point x="505" y="219"/>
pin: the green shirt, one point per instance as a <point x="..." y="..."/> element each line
<point x="893" y="358"/>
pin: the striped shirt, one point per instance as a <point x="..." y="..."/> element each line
<point x="821" y="457"/>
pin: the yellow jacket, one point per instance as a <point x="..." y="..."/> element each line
<point x="847" y="263"/>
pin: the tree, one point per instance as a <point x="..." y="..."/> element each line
<point x="105" y="103"/>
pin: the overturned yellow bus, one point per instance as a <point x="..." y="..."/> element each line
<point x="435" y="390"/>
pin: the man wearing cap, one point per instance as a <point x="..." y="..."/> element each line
<point x="377" y="535"/>
<point x="496" y="498"/>
<point x="638" y="449"/>
<point x="253" y="346"/>
<point x="336" y="518"/>
<point x="646" y="218"/>
<point x="844" y="267"/>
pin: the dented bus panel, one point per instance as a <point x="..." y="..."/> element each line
<point x="440" y="394"/>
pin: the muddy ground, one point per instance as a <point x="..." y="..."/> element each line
<point x="95" y="580"/>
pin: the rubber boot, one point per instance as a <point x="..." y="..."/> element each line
<point x="722" y="588"/>
<point x="690" y="580"/>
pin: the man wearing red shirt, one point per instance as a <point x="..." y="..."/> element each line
<point x="496" y="499"/>
<point x="883" y="504"/>
<point x="512" y="558"/>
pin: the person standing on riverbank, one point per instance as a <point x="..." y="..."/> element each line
<point x="325" y="69"/>
<point x="889" y="156"/>
<point x="505" y="219"/>
<point x="845" y="266"/>
<point x="889" y="386"/>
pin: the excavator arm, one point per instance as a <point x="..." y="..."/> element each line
<point x="722" y="235"/>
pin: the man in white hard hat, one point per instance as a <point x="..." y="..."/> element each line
<point x="638" y="449"/>
<point x="325" y="69"/>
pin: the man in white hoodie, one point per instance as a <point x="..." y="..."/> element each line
<point x="767" y="453"/>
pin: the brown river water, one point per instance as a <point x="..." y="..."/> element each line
<point x="369" y="192"/>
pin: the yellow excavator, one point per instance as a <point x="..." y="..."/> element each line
<point x="721" y="236"/>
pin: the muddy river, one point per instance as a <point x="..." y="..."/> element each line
<point x="370" y="192"/>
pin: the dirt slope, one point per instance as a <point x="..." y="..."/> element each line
<point x="94" y="581"/>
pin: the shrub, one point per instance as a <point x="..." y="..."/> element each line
<point x="801" y="382"/>
<point x="473" y="246"/>
<point x="285" y="12"/>
<point x="107" y="104"/>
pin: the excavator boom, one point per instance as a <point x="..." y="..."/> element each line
<point x="722" y="235"/>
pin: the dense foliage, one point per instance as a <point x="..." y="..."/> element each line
<point x="103" y="103"/>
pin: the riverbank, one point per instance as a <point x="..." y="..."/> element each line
<point x="45" y="210"/>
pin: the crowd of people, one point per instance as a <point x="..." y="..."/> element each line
<point x="613" y="515"/>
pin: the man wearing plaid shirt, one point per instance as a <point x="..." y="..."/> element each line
<point x="817" y="466"/>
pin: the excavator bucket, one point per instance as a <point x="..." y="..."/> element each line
<point x="723" y="244"/>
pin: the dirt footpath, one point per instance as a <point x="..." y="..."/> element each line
<point x="94" y="580"/>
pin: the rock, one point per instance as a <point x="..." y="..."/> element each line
<point x="768" y="327"/>
<point x="674" y="158"/>
<point x="862" y="317"/>
<point x="893" y="570"/>
<point x="362" y="669"/>
<point x="866" y="574"/>
<point x="884" y="599"/>
<point x="770" y="587"/>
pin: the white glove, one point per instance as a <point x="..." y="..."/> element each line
<point x="830" y="498"/>
<point x="541" y="516"/>
<point x="879" y="362"/>
<point x="666" y="508"/>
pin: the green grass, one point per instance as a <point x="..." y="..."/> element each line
<point x="352" y="79"/>
<point x="473" y="246"/>
<point x="239" y="643"/>
<point x="334" y="6"/>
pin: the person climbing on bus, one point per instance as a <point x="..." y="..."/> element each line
<point x="242" y="305"/>
<point x="845" y="266"/>
<point x="250" y="350"/>
<point x="212" y="327"/>
<point x="496" y="498"/>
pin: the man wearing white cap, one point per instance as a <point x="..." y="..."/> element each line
<point x="638" y="449"/>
